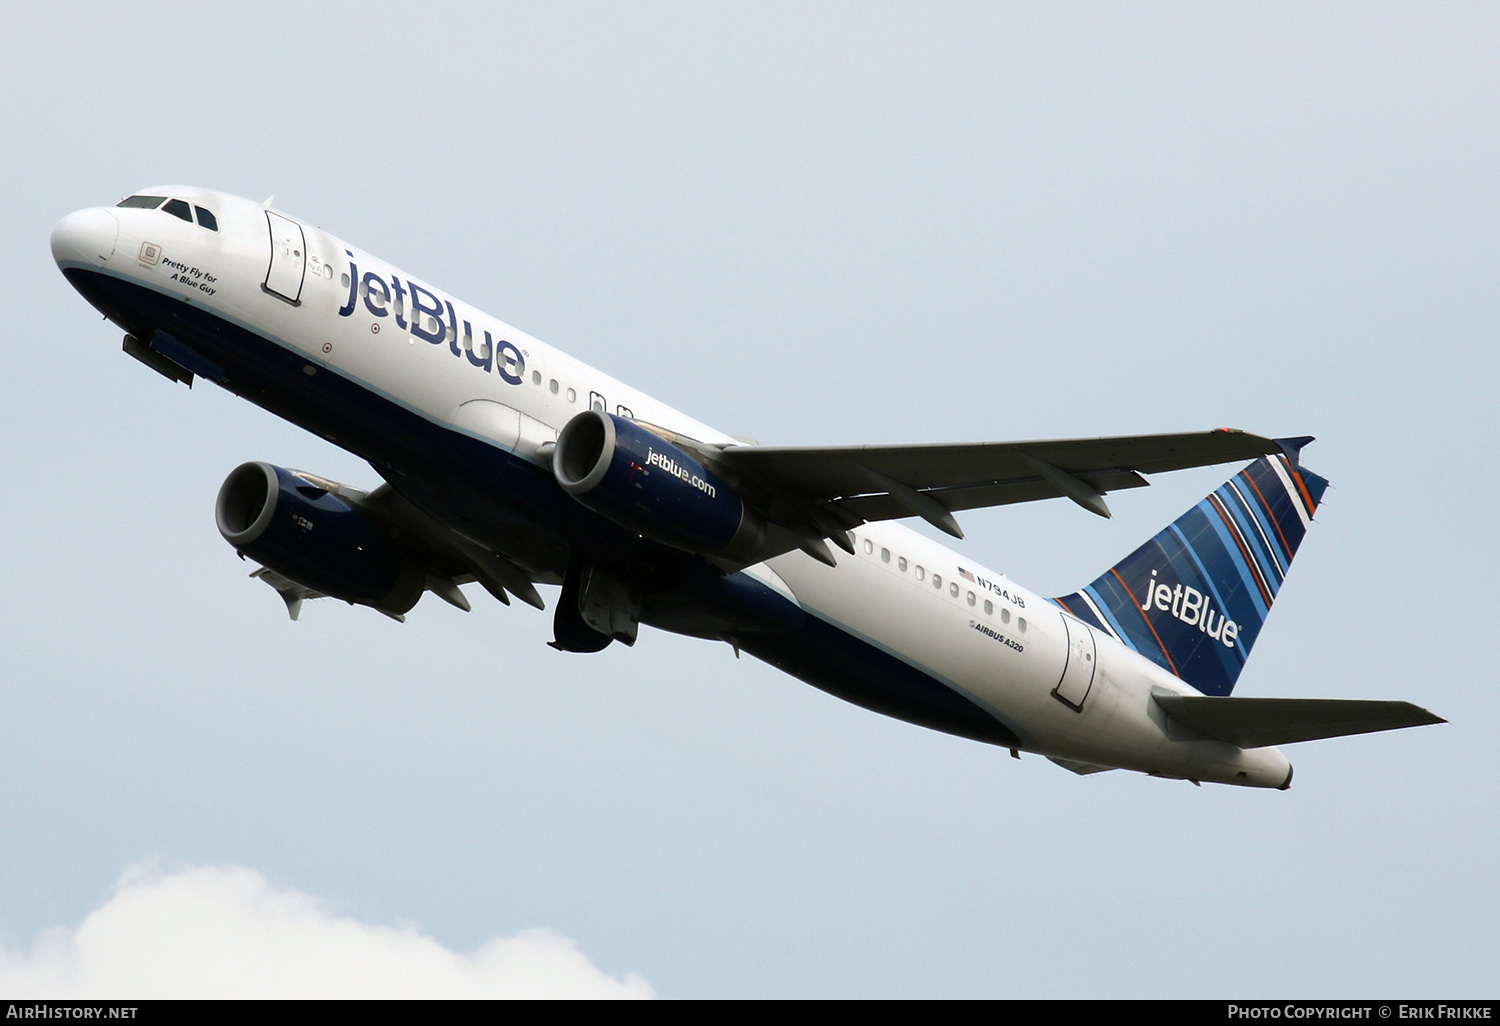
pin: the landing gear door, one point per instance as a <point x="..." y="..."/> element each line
<point x="1078" y="671"/>
<point x="288" y="258"/>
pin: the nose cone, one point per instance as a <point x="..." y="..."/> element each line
<point x="85" y="237"/>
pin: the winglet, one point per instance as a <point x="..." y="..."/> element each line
<point x="1292" y="447"/>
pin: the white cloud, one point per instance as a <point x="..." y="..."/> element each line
<point x="227" y="932"/>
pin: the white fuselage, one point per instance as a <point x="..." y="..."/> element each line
<point x="972" y="630"/>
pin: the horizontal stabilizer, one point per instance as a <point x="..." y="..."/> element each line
<point x="1258" y="722"/>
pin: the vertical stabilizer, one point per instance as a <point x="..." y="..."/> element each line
<point x="1193" y="598"/>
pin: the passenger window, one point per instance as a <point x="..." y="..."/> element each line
<point x="536" y="377"/>
<point x="937" y="580"/>
<point x="596" y="402"/>
<point x="552" y="386"/>
<point x="624" y="411"/>
<point x="989" y="608"/>
<point x="207" y="219"/>
<point x="144" y="202"/>
<point x="953" y="589"/>
<point x="572" y="396"/>
<point x="1005" y="616"/>
<point x="885" y="555"/>
<point x="869" y="546"/>
<point x="177" y="208"/>
<point x="1021" y="623"/>
<point x="452" y="334"/>
<point x="901" y="564"/>
<point x="344" y="280"/>
<point x="971" y="597"/>
<point x="920" y="573"/>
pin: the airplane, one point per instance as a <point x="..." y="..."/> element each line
<point x="507" y="463"/>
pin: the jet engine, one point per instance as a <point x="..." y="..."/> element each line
<point x="627" y="473"/>
<point x="295" y="525"/>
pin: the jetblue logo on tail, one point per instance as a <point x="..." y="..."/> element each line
<point x="429" y="323"/>
<point x="1193" y="608"/>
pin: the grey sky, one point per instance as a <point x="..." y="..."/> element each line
<point x="803" y="223"/>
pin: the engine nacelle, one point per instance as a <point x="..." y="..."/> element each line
<point x="641" y="481"/>
<point x="297" y="527"/>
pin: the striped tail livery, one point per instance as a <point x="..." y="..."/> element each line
<point x="1193" y="599"/>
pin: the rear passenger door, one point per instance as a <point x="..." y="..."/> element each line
<point x="1078" y="671"/>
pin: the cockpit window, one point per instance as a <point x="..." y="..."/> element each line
<point x="177" y="208"/>
<point x="207" y="219"/>
<point x="148" y="202"/>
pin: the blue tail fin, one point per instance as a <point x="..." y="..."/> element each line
<point x="1193" y="598"/>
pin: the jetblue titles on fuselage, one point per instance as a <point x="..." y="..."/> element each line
<point x="432" y="319"/>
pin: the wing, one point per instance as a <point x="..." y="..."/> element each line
<point x="827" y="490"/>
<point x="451" y="557"/>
